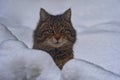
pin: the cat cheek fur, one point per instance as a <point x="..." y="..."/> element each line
<point x="71" y="39"/>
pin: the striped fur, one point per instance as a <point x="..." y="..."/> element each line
<point x="55" y="35"/>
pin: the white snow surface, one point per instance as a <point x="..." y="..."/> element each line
<point x="96" y="51"/>
<point x="83" y="70"/>
<point x="18" y="62"/>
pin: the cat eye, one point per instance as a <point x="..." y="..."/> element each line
<point x="50" y="31"/>
<point x="65" y="31"/>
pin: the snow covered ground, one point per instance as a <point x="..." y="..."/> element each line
<point x="97" y="53"/>
<point x="18" y="62"/>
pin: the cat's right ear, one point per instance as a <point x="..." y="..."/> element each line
<point x="43" y="14"/>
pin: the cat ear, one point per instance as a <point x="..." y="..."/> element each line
<point x="67" y="14"/>
<point x="43" y="14"/>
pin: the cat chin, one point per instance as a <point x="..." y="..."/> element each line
<point x="56" y="45"/>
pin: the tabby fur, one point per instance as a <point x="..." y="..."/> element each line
<point x="55" y="35"/>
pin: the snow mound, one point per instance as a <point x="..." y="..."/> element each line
<point x="20" y="32"/>
<point x="5" y="34"/>
<point x="17" y="62"/>
<point x="100" y="45"/>
<point x="78" y="69"/>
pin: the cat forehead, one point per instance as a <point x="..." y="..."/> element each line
<point x="56" y="18"/>
<point x="58" y="24"/>
<point x="55" y="21"/>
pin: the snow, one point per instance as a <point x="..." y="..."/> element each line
<point x="17" y="62"/>
<point x="96" y="50"/>
<point x="100" y="45"/>
<point x="84" y="70"/>
<point x="5" y="34"/>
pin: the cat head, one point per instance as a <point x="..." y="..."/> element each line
<point x="54" y="30"/>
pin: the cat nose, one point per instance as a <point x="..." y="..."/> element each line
<point x="57" y="37"/>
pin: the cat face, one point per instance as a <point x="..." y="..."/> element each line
<point x="54" y="31"/>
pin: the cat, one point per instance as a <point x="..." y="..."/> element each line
<point x="55" y="35"/>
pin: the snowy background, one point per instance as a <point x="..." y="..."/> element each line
<point x="96" y="51"/>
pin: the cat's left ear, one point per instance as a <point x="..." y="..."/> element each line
<point x="43" y="14"/>
<point x="67" y="14"/>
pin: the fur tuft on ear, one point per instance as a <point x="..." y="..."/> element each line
<point x="43" y="14"/>
<point x="67" y="14"/>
